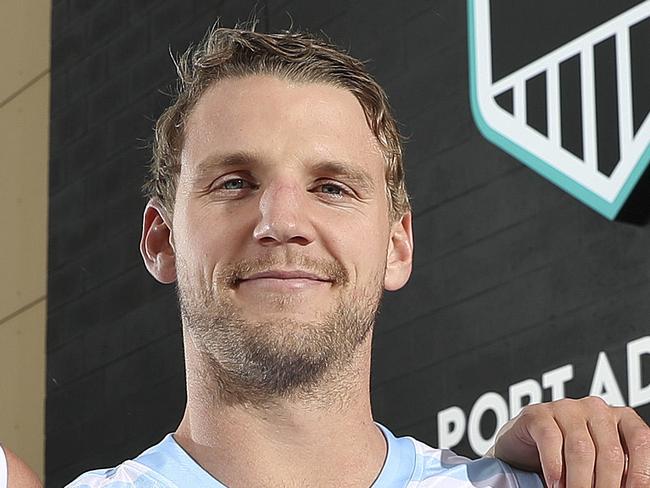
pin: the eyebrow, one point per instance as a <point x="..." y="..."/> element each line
<point x="356" y="176"/>
<point x="220" y="161"/>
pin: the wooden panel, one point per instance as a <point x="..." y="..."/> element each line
<point x="22" y="383"/>
<point x="24" y="123"/>
<point x="24" y="43"/>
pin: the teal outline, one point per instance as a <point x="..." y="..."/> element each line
<point x="609" y="210"/>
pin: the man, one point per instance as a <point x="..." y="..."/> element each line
<point x="277" y="204"/>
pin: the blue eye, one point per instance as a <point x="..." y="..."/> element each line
<point x="235" y="184"/>
<point x="332" y="189"/>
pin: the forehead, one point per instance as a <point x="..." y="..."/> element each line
<point x="282" y="120"/>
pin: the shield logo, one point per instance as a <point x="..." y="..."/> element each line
<point x="574" y="110"/>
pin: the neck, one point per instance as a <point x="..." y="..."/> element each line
<point x="288" y="441"/>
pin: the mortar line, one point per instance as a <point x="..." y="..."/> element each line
<point x="22" y="309"/>
<point x="29" y="84"/>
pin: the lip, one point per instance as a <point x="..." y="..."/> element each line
<point x="285" y="275"/>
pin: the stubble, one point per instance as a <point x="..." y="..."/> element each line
<point x="259" y="362"/>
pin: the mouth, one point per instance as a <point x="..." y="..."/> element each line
<point x="283" y="279"/>
<point x="285" y="275"/>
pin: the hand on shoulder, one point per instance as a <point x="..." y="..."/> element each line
<point x="582" y="442"/>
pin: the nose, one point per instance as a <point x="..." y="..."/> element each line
<point x="283" y="216"/>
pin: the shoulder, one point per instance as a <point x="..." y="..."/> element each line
<point x="129" y="474"/>
<point x="147" y="470"/>
<point x="434" y="465"/>
<point x="19" y="475"/>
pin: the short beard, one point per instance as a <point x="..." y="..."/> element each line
<point x="264" y="361"/>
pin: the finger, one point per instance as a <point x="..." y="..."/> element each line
<point x="579" y="455"/>
<point x="548" y="439"/>
<point x="636" y="442"/>
<point x="610" y="457"/>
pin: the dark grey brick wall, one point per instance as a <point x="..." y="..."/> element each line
<point x="512" y="276"/>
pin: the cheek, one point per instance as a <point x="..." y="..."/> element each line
<point x="376" y="244"/>
<point x="360" y="244"/>
<point x="204" y="241"/>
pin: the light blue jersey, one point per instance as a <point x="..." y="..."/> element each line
<point x="409" y="464"/>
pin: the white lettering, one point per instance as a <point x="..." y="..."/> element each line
<point x="528" y="389"/>
<point x="555" y="380"/>
<point x="451" y="427"/>
<point x="488" y="401"/>
<point x="637" y="393"/>
<point x="604" y="383"/>
<point x="453" y="423"/>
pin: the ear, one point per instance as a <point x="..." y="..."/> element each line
<point x="156" y="244"/>
<point x="400" y="254"/>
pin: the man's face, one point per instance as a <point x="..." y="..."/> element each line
<point x="281" y="230"/>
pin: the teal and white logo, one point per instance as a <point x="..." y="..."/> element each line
<point x="543" y="146"/>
